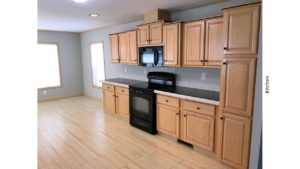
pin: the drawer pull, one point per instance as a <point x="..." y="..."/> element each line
<point x="198" y="108"/>
<point x="222" y="118"/>
<point x="167" y="100"/>
<point x="184" y="115"/>
<point x="177" y="113"/>
<point x="122" y="90"/>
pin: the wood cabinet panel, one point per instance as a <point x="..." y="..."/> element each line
<point x="193" y="45"/>
<point x="122" y="90"/>
<point x="122" y="104"/>
<point x="114" y="48"/>
<point x="132" y="47"/>
<point x="168" y="120"/>
<point x="109" y="101"/>
<point x="143" y="35"/>
<point x="155" y="33"/>
<point x="235" y="141"/>
<point x="241" y="29"/>
<point x="199" y="129"/>
<point x="169" y="101"/>
<point x="123" y="47"/>
<point x="237" y="85"/>
<point x="171" y="40"/>
<point x="197" y="107"/>
<point x="214" y="42"/>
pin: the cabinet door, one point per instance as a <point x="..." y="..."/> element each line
<point x="132" y="49"/>
<point x="214" y="42"/>
<point x="235" y="141"/>
<point x="199" y="129"/>
<point x="155" y="33"/>
<point x="143" y="35"/>
<point x="168" y="120"/>
<point x="123" y="47"/>
<point x="114" y="48"/>
<point x="237" y="85"/>
<point x="109" y="101"/>
<point x="193" y="45"/>
<point x="171" y="38"/>
<point x="241" y="29"/>
<point x="122" y="103"/>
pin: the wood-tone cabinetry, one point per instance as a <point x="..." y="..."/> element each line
<point x="214" y="42"/>
<point x="241" y="30"/>
<point x="124" y="47"/>
<point x="168" y="115"/>
<point x="114" y="48"/>
<point x="116" y="99"/>
<point x="241" y="27"/>
<point x="237" y="85"/>
<point x="189" y="121"/>
<point x="150" y="34"/>
<point x="235" y="141"/>
<point x="203" y="40"/>
<point x="171" y="41"/>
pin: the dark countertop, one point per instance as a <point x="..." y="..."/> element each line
<point x="206" y="96"/>
<point x="123" y="81"/>
<point x="199" y="93"/>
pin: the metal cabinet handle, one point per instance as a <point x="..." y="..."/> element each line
<point x="222" y="118"/>
<point x="225" y="48"/>
<point x="184" y="115"/>
<point x="198" y="108"/>
<point x="177" y="113"/>
<point x="167" y="100"/>
<point x="224" y="63"/>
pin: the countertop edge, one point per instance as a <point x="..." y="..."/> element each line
<point x="191" y="98"/>
<point x="117" y="84"/>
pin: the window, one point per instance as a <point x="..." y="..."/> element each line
<point x="97" y="61"/>
<point x="48" y="66"/>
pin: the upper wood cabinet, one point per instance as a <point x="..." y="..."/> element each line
<point x="123" y="47"/>
<point x="114" y="48"/>
<point x="241" y="27"/>
<point x="150" y="34"/>
<point x="235" y="141"/>
<point x="193" y="43"/>
<point x="214" y="42"/>
<point x="132" y="47"/>
<point x="171" y="41"/>
<point x="237" y="86"/>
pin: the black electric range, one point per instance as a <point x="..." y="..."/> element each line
<point x="142" y="100"/>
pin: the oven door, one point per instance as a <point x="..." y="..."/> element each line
<point x="142" y="104"/>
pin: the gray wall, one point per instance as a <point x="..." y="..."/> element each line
<point x="190" y="77"/>
<point x="70" y="64"/>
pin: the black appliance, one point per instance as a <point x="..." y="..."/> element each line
<point x="151" y="56"/>
<point x="142" y="100"/>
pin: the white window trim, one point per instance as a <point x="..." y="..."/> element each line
<point x="91" y="70"/>
<point x="59" y="66"/>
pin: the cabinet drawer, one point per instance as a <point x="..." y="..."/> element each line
<point x="121" y="90"/>
<point x="108" y="87"/>
<point x="198" y="107"/>
<point x="169" y="101"/>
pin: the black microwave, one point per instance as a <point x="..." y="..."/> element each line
<point x="151" y="56"/>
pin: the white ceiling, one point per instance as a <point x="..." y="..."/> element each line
<point x="66" y="15"/>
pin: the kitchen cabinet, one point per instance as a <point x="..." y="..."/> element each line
<point x="168" y="115"/>
<point x="132" y="47"/>
<point x="237" y="85"/>
<point x="214" y="42"/>
<point x="114" y="48"/>
<point x="241" y="27"/>
<point x="235" y="141"/>
<point x="171" y="41"/>
<point x="116" y="99"/>
<point x="150" y="34"/>
<point x="193" y="43"/>
<point x="123" y="47"/>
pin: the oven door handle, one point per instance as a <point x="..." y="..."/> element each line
<point x="138" y="91"/>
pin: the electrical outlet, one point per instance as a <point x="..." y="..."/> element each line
<point x="44" y="92"/>
<point x="203" y="76"/>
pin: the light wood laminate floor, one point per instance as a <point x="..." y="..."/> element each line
<point x="75" y="133"/>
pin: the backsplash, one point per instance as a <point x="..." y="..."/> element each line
<point x="201" y="78"/>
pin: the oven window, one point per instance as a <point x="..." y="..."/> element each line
<point x="140" y="104"/>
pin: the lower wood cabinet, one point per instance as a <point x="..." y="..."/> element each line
<point x="199" y="129"/>
<point x="189" y="121"/>
<point x="234" y="141"/>
<point x="168" y="120"/>
<point x="116" y="99"/>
